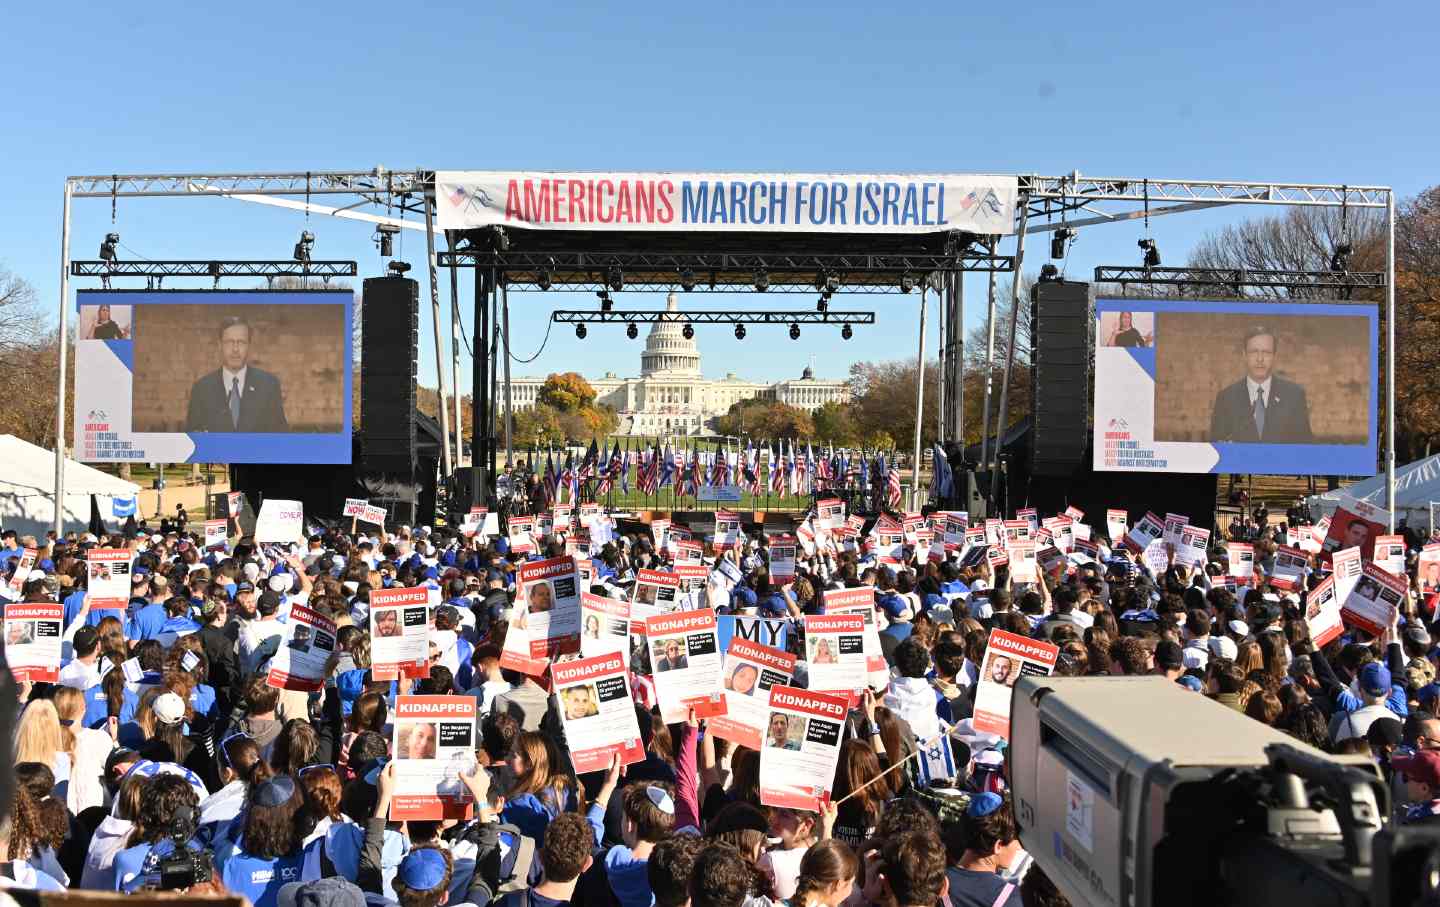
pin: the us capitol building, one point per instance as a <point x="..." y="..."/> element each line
<point x="672" y="397"/>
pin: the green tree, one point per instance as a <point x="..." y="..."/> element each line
<point x="567" y="392"/>
<point x="884" y="400"/>
<point x="540" y="425"/>
<point x="835" y="424"/>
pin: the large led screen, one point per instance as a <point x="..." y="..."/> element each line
<point x="213" y="376"/>
<point x="1208" y="386"/>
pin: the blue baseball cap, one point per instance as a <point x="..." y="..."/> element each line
<point x="1375" y="679"/>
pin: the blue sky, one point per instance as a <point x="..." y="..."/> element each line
<point x="1282" y="91"/>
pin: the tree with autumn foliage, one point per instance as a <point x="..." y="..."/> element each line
<point x="567" y="392"/>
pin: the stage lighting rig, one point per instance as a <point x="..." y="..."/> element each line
<point x="107" y="248"/>
<point x="827" y="283"/>
<point x="499" y="239"/>
<point x="1058" y="240"/>
<point x="615" y="278"/>
<point x="606" y="303"/>
<point x="543" y="280"/>
<point x="632" y="331"/>
<point x="762" y="280"/>
<point x="687" y="280"/>
<point x="1340" y="260"/>
<point x="907" y="283"/>
<point x="580" y="331"/>
<point x="687" y="332"/>
<point x="739" y="332"/>
<point x="303" y="247"/>
<point x="823" y="303"/>
<point x="398" y="268"/>
<point x="385" y="239"/>
<point x="1049" y="273"/>
<point x="846" y="332"/>
<point x="1152" y="252"/>
<point x="794" y="331"/>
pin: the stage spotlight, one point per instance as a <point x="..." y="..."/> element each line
<point x="303" y="247"/>
<point x="1058" y="240"/>
<point x="580" y="331"/>
<point x="687" y="280"/>
<point x="500" y="238"/>
<point x="1049" y="273"/>
<point x="739" y="332"/>
<point x="826" y="282"/>
<point x="846" y="332"/>
<point x="615" y="278"/>
<point x="1340" y="261"/>
<point x="762" y="280"/>
<point x="544" y="280"/>
<point x="632" y="331"/>
<point x="1152" y="253"/>
<point x="606" y="303"/>
<point x="107" y="248"/>
<point x="398" y="268"/>
<point x="687" y="332"/>
<point x="822" y="304"/>
<point x="907" y="282"/>
<point x="794" y="332"/>
<point x="385" y="238"/>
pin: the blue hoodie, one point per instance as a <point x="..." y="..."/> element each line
<point x="147" y="622"/>
<point x="260" y="878"/>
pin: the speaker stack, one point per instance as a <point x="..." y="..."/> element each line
<point x="389" y="352"/>
<point x="1062" y="326"/>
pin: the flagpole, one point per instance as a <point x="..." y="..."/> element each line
<point x="919" y="401"/>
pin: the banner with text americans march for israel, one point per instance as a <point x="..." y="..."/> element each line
<point x="727" y="202"/>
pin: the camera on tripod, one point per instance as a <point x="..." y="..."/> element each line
<point x="182" y="867"/>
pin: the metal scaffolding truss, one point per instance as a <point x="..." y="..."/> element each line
<point x="1241" y="278"/>
<point x="807" y="316"/>
<point x="783" y="272"/>
<point x="1074" y="187"/>
<point x="368" y="184"/>
<point x="214" y="269"/>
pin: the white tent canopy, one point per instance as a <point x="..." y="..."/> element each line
<point x="27" y="489"/>
<point x="1416" y="486"/>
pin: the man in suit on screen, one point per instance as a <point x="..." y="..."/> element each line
<point x="236" y="397"/>
<point x="1261" y="408"/>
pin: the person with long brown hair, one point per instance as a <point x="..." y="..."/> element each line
<point x="858" y="765"/>
<point x="111" y="836"/>
<point x="160" y="803"/>
<point x="827" y="875"/>
<point x="29" y="860"/>
<point x="542" y="789"/>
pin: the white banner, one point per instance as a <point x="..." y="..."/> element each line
<point x="433" y="743"/>
<point x="280" y="521"/>
<point x="726" y="202"/>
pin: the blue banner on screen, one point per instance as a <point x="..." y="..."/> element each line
<point x="1209" y="386"/>
<point x="221" y="376"/>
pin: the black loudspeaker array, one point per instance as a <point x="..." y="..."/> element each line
<point x="389" y="352"/>
<point x="1060" y="375"/>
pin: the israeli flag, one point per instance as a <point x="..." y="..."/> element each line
<point x="122" y="507"/>
<point x="936" y="761"/>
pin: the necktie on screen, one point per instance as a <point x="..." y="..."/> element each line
<point x="235" y="402"/>
<point x="1260" y="413"/>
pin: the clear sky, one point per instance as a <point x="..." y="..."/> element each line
<point x="1284" y="91"/>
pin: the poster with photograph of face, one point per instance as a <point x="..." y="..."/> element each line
<point x="433" y="742"/>
<point x="597" y="711"/>
<point x="32" y="640"/>
<point x="399" y="633"/>
<point x="1007" y="656"/>
<point x="750" y="671"/>
<point x="800" y="747"/>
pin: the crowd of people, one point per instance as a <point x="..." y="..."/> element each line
<point x="163" y="757"/>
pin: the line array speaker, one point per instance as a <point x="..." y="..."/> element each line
<point x="389" y="353"/>
<point x="1063" y="348"/>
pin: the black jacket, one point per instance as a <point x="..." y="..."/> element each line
<point x="1287" y="415"/>
<point x="262" y="407"/>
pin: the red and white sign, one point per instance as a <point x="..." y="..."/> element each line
<point x="685" y="664"/>
<point x="23" y="565"/>
<point x="280" y="522"/>
<point x="432" y="744"/>
<point x="107" y="577"/>
<point x="1174" y="522"/>
<point x="1322" y="612"/>
<point x="1117" y="524"/>
<point x="861" y="601"/>
<point x="1373" y="603"/>
<point x="750" y="671"/>
<point x="216" y="534"/>
<point x="830" y="513"/>
<point x="1148" y="529"/>
<point x="727" y="530"/>
<point x="548" y="592"/>
<point x="726" y="202"/>
<point x="32" y="640"/>
<point x="658" y="588"/>
<point x="1356" y="524"/>
<point x="307" y="643"/>
<point x="399" y="633"/>
<point x="687" y="552"/>
<point x="1289" y="570"/>
<point x="1007" y="657"/>
<point x="355" y="507"/>
<point x="782" y="558"/>
<point x="597" y="712"/>
<point x="522" y="540"/>
<point x="1241" y="558"/>
<point x="1022" y="562"/>
<point x="604" y="625"/>
<point x="1192" y="547"/>
<point x="375" y="516"/>
<point x="800" y="748"/>
<point x="1390" y="553"/>
<point x="835" y="652"/>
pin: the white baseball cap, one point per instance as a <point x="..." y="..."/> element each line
<point x="169" y="708"/>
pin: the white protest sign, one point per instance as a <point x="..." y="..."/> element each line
<point x="216" y="534"/>
<point x="307" y="643"/>
<point x="280" y="522"/>
<point x="548" y="592"/>
<point x="1289" y="570"/>
<point x="597" y="712"/>
<point x="659" y="588"/>
<point x="1390" y="553"/>
<point x="354" y="507"/>
<point x="433" y="744"/>
<point x="750" y="671"/>
<point x="108" y="577"/>
<point x="861" y="600"/>
<point x="801" y="747"/>
<point x="835" y="653"/>
<point x="1148" y="529"/>
<point x="373" y="515"/>
<point x="1117" y="523"/>
<point x="1192" y="546"/>
<point x="1241" y="558"/>
<point x="685" y="664"/>
<point x="32" y="640"/>
<point x="1007" y="657"/>
<point x="1374" y="601"/>
<point x="604" y="625"/>
<point x="399" y="633"/>
<point x="1322" y="612"/>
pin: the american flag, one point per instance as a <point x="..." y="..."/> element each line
<point x="589" y="462"/>
<point x="893" y="486"/>
<point x="690" y="476"/>
<point x="752" y="468"/>
<point x="552" y="481"/>
<point x="625" y="470"/>
<point x="567" y="476"/>
<point x="720" y="474"/>
<point x="777" y="472"/>
<point x="802" y="469"/>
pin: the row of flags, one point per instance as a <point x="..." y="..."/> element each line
<point x="779" y="468"/>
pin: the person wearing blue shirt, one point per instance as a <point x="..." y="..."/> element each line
<point x="270" y="852"/>
<point x="149" y="614"/>
<point x="165" y="795"/>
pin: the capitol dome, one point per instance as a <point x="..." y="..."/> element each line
<point x="667" y="352"/>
